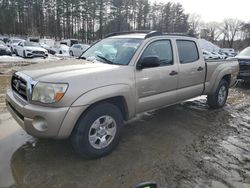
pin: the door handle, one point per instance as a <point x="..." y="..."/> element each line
<point x="200" y="69"/>
<point x="173" y="73"/>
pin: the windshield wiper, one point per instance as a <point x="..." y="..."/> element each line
<point x="82" y="57"/>
<point x="105" y="59"/>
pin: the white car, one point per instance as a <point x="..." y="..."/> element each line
<point x="61" y="49"/>
<point x="219" y="55"/>
<point x="13" y="42"/>
<point x="208" y="55"/>
<point x="78" y="49"/>
<point x="30" y="49"/>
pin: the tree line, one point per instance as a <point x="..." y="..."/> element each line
<point x="88" y="20"/>
<point x="230" y="33"/>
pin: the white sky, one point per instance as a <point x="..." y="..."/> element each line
<point x="216" y="10"/>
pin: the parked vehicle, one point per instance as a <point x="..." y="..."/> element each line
<point x="48" y="44"/>
<point x="5" y="39"/>
<point x="69" y="42"/>
<point x="61" y="49"/>
<point x="78" y="49"/>
<point x="219" y="55"/>
<point x="33" y="39"/>
<point x="30" y="49"/>
<point x="229" y="51"/>
<point x="4" y="49"/>
<point x="209" y="55"/>
<point x="89" y="99"/>
<point x="13" y="42"/>
<point x="244" y="61"/>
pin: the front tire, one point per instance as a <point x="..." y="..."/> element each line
<point x="71" y="53"/>
<point x="97" y="132"/>
<point x="24" y="55"/>
<point x="219" y="98"/>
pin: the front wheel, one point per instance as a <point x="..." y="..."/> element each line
<point x="97" y="132"/>
<point x="219" y="98"/>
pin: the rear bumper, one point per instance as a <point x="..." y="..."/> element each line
<point x="40" y="121"/>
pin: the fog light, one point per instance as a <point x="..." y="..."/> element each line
<point x="40" y="124"/>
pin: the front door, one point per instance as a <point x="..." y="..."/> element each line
<point x="156" y="86"/>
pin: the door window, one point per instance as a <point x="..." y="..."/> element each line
<point x="188" y="51"/>
<point x="162" y="49"/>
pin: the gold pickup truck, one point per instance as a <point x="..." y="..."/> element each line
<point x="89" y="99"/>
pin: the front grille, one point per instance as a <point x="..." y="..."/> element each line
<point x="19" y="85"/>
<point x="38" y="52"/>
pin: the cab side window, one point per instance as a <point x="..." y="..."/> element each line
<point x="188" y="51"/>
<point x="162" y="49"/>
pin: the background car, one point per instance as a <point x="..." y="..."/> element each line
<point x="48" y="45"/>
<point x="4" y="49"/>
<point x="30" y="49"/>
<point x="12" y="43"/>
<point x="208" y="55"/>
<point x="78" y="49"/>
<point x="69" y="42"/>
<point x="61" y="49"/>
<point x="244" y="61"/>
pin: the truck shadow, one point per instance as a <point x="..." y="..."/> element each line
<point x="153" y="147"/>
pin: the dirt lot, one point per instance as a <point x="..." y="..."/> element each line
<point x="186" y="145"/>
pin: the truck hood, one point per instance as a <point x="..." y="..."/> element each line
<point x="81" y="76"/>
<point x="65" y="70"/>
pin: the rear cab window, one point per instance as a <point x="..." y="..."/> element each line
<point x="188" y="51"/>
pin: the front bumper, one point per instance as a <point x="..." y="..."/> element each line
<point x="31" y="54"/>
<point x="40" y="121"/>
<point x="244" y="75"/>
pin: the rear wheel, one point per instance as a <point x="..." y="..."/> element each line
<point x="71" y="53"/>
<point x="97" y="132"/>
<point x="219" y="98"/>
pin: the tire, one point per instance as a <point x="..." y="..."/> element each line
<point x="60" y="52"/>
<point x="71" y="53"/>
<point x="89" y="125"/>
<point x="219" y="98"/>
<point x="24" y="56"/>
<point x="16" y="53"/>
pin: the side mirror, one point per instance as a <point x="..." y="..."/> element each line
<point x="147" y="62"/>
<point x="146" y="185"/>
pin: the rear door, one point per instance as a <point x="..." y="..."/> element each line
<point x="191" y="70"/>
<point x="156" y="86"/>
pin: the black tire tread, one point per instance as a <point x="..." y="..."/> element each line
<point x="79" y="136"/>
<point x="212" y="98"/>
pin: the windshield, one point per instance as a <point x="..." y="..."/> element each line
<point x="245" y="52"/>
<point x="31" y="44"/>
<point x="16" y="40"/>
<point x="113" y="51"/>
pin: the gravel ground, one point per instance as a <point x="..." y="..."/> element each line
<point x="186" y="145"/>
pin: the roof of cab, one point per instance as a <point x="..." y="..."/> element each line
<point x="145" y="34"/>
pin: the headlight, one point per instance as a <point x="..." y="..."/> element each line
<point x="29" y="50"/>
<point x="48" y="92"/>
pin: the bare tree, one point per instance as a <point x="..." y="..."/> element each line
<point x="230" y="29"/>
<point x="195" y="23"/>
